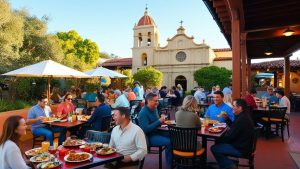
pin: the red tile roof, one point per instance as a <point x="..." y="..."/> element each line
<point x="277" y="64"/>
<point x="222" y="58"/>
<point x="146" y="20"/>
<point x="222" y="50"/>
<point x="118" y="62"/>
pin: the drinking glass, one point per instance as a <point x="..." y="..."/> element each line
<point x="45" y="146"/>
<point x="52" y="150"/>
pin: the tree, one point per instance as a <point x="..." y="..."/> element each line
<point x="11" y="36"/>
<point x="148" y="77"/>
<point x="104" y="55"/>
<point x="212" y="75"/>
<point x="74" y="46"/>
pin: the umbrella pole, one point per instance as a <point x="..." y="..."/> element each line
<point x="48" y="90"/>
<point x="100" y="85"/>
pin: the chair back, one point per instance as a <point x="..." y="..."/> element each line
<point x="135" y="108"/>
<point x="98" y="136"/>
<point x="105" y="123"/>
<point x="276" y="112"/>
<point x="257" y="129"/>
<point x="183" y="139"/>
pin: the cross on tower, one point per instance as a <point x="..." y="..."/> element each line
<point x="181" y="22"/>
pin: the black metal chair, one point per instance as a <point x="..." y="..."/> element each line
<point x="250" y="157"/>
<point x="184" y="143"/>
<point x="105" y="125"/>
<point x="98" y="136"/>
<point x="277" y="116"/>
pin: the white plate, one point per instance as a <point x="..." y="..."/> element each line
<point x="27" y="153"/>
<point x="65" y="120"/>
<point x="222" y="125"/>
<point x="32" y="159"/>
<point x="111" y="152"/>
<point x="81" y="142"/>
<point x="90" y="156"/>
<point x="39" y="166"/>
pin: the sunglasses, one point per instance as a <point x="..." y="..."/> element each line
<point x="69" y="98"/>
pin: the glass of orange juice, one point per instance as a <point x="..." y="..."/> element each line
<point x="74" y="117"/>
<point x="55" y="144"/>
<point x="45" y="146"/>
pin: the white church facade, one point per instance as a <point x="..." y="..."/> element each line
<point x="179" y="59"/>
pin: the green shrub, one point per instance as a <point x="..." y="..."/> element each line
<point x="149" y="77"/>
<point x="6" y="105"/>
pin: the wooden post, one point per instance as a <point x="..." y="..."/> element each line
<point x="243" y="66"/>
<point x="287" y="75"/>
<point x="236" y="55"/>
<point x="249" y="82"/>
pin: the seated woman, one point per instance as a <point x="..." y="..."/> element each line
<point x="10" y="153"/>
<point x="187" y="116"/>
<point x="66" y="106"/>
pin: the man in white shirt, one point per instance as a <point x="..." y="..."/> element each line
<point x="128" y="139"/>
<point x="283" y="101"/>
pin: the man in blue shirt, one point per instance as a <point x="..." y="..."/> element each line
<point x="138" y="91"/>
<point x="149" y="121"/>
<point x="35" y="117"/>
<point x="270" y="95"/>
<point x="96" y="120"/>
<point x="121" y="100"/>
<point x="220" y="111"/>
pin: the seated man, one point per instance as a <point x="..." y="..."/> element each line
<point x="128" y="139"/>
<point x="95" y="121"/>
<point x="121" y="100"/>
<point x="238" y="140"/>
<point x="270" y="95"/>
<point x="283" y="101"/>
<point x="214" y="111"/>
<point x="35" y="116"/>
<point x="149" y="121"/>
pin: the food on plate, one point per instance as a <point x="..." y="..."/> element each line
<point x="41" y="157"/>
<point x="83" y="118"/>
<point x="170" y="122"/>
<point x="106" y="151"/>
<point x="49" y="165"/>
<point x="73" y="142"/>
<point x="78" y="156"/>
<point x="34" y="152"/>
<point x="215" y="129"/>
<point x="223" y="113"/>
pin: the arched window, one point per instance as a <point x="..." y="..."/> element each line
<point x="140" y="40"/>
<point x="149" y="39"/>
<point x="144" y="59"/>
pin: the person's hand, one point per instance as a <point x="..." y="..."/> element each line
<point x="225" y="116"/>
<point x="41" y="118"/>
<point x="127" y="159"/>
<point x="162" y="118"/>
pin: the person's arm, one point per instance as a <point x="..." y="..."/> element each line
<point x="15" y="160"/>
<point x="140" y="142"/>
<point x="197" y="121"/>
<point x="32" y="118"/>
<point x="112" y="143"/>
<point x="234" y="132"/>
<point x="117" y="103"/>
<point x="146" y="125"/>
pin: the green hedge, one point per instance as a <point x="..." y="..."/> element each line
<point x="6" y="105"/>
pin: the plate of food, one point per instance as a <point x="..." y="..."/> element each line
<point x="44" y="157"/>
<point x="83" y="118"/>
<point x="95" y="144"/>
<point x="73" y="142"/>
<point x="169" y="122"/>
<point x="49" y="165"/>
<point x="78" y="157"/>
<point x="220" y="124"/>
<point x="34" y="152"/>
<point x="215" y="129"/>
<point x="52" y="119"/>
<point x="106" y="151"/>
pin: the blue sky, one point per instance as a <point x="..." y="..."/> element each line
<point x="110" y="22"/>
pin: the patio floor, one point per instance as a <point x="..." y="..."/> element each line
<point x="270" y="154"/>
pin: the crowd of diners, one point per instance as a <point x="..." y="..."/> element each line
<point x="129" y="138"/>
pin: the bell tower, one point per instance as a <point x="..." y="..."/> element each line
<point x="145" y="35"/>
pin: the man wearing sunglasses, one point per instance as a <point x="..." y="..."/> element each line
<point x="35" y="117"/>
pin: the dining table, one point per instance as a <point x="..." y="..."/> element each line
<point x="95" y="161"/>
<point x="65" y="124"/>
<point x="205" y="134"/>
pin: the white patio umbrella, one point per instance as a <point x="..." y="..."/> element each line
<point x="47" y="68"/>
<point x="101" y="71"/>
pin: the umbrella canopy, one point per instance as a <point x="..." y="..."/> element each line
<point x="264" y="75"/>
<point x="101" y="71"/>
<point x="47" y="68"/>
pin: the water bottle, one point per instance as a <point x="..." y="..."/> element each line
<point x="69" y="117"/>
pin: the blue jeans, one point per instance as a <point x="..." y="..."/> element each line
<point x="48" y="133"/>
<point x="159" y="140"/>
<point x="221" y="152"/>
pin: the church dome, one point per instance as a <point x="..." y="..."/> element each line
<point x="146" y="19"/>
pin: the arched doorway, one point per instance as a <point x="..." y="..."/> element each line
<point x="182" y="81"/>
